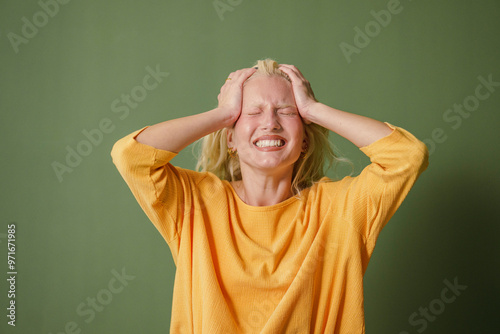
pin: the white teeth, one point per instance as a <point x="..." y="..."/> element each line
<point x="270" y="143"/>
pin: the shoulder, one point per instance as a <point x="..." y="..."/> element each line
<point x="205" y="182"/>
<point x="325" y="189"/>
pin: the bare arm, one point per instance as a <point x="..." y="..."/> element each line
<point x="360" y="130"/>
<point x="174" y="135"/>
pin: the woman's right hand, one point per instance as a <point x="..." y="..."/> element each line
<point x="174" y="135"/>
<point x="231" y="94"/>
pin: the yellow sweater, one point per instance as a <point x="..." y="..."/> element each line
<point x="293" y="267"/>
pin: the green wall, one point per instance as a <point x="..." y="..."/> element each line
<point x="68" y="72"/>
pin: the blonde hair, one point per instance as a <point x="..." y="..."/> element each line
<point x="308" y="169"/>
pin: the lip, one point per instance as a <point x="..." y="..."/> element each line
<point x="271" y="148"/>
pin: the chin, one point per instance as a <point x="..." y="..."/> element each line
<point x="270" y="164"/>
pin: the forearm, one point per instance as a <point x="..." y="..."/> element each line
<point x="174" y="135"/>
<point x="360" y="130"/>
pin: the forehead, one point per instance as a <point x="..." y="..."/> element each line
<point x="263" y="89"/>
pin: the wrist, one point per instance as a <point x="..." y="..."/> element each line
<point x="312" y="112"/>
<point x="223" y="117"/>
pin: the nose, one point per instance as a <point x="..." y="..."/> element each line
<point x="270" y="120"/>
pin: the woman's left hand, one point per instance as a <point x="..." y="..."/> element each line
<point x="302" y="91"/>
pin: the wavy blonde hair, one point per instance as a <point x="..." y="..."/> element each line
<point x="308" y="169"/>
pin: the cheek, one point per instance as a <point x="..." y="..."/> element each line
<point x="239" y="136"/>
<point x="243" y="130"/>
<point x="296" y="129"/>
<point x="300" y="135"/>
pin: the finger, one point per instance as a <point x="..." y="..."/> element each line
<point x="243" y="74"/>
<point x="292" y="74"/>
<point x="239" y="76"/>
<point x="297" y="78"/>
<point x="291" y="68"/>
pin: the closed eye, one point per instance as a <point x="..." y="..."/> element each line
<point x="288" y="111"/>
<point x="253" y="111"/>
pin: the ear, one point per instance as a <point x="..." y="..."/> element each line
<point x="305" y="146"/>
<point x="229" y="137"/>
<point x="305" y="142"/>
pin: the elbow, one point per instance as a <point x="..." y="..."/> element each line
<point x="419" y="157"/>
<point x="120" y="157"/>
<point x="425" y="155"/>
<point x="116" y="152"/>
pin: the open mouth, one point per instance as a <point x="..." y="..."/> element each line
<point x="270" y="143"/>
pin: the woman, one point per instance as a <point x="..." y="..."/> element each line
<point x="273" y="246"/>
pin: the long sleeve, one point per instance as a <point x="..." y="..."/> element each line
<point x="161" y="189"/>
<point x="370" y="199"/>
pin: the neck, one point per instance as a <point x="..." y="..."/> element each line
<point x="258" y="189"/>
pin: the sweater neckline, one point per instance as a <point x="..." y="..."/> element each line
<point x="276" y="206"/>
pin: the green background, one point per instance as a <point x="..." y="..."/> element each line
<point x="72" y="234"/>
